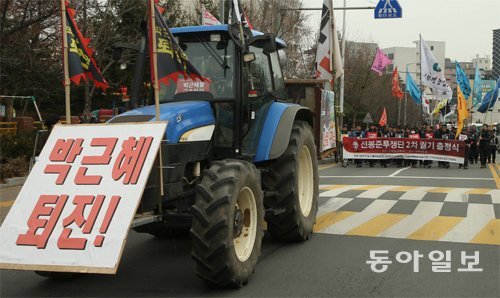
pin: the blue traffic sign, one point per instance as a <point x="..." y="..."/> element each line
<point x="388" y="9"/>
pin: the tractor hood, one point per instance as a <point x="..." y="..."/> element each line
<point x="181" y="116"/>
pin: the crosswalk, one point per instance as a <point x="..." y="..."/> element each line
<point x="466" y="215"/>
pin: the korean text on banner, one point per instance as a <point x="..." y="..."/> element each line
<point x="75" y="209"/>
<point x="404" y="148"/>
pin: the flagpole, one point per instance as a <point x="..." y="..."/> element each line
<point x="422" y="91"/>
<point x="156" y="89"/>
<point x="202" y="14"/>
<point x="406" y="102"/>
<point x="366" y="80"/>
<point x="399" y="111"/>
<point x="472" y="100"/>
<point x="67" y="90"/>
<point x="221" y="18"/>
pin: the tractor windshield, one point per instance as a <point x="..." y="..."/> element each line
<point x="213" y="59"/>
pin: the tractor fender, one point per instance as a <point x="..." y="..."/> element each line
<point x="278" y="127"/>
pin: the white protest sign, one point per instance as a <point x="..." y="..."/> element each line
<point x="75" y="209"/>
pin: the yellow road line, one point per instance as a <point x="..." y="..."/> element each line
<point x="330" y="218"/>
<point x="478" y="191"/>
<point x="336" y="186"/>
<point x="495" y="176"/>
<point x="436" y="228"/>
<point x="367" y="187"/>
<point x="324" y="167"/>
<point x="377" y="225"/>
<point x="490" y="234"/>
<point x="441" y="189"/>
<point x="404" y="188"/>
<point x="6" y="203"/>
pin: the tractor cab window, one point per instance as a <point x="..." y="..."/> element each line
<point x="214" y="60"/>
<point x="260" y="73"/>
<point x="279" y="83"/>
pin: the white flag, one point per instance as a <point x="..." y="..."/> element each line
<point x="426" y="104"/>
<point x="324" y="52"/>
<point x="432" y="74"/>
<point x="207" y="18"/>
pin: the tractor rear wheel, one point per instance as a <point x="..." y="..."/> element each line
<point x="291" y="186"/>
<point x="227" y="230"/>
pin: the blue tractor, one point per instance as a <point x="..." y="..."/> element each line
<point x="235" y="156"/>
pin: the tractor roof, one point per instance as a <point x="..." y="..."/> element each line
<point x="216" y="28"/>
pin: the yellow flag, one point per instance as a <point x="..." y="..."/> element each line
<point x="439" y="106"/>
<point x="462" y="112"/>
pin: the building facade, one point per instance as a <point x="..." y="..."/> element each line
<point x="483" y="63"/>
<point x="401" y="58"/>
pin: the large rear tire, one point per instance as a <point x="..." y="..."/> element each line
<point x="291" y="186"/>
<point x="227" y="223"/>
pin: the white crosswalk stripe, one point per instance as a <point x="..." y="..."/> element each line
<point x="374" y="209"/>
<point x="478" y="215"/>
<point x="424" y="212"/>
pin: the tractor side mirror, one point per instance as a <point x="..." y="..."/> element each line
<point x="267" y="42"/>
<point x="249" y="57"/>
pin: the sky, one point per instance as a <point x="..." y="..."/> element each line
<point x="465" y="25"/>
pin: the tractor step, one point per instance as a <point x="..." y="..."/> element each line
<point x="144" y="219"/>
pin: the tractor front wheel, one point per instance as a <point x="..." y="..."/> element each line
<point x="227" y="230"/>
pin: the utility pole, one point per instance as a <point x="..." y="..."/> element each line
<point x="341" y="98"/>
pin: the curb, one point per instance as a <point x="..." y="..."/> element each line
<point x="13" y="182"/>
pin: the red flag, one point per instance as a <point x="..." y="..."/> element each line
<point x="396" y="90"/>
<point x="81" y="64"/>
<point x="248" y="21"/>
<point x="383" y="118"/>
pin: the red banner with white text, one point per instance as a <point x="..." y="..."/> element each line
<point x="404" y="148"/>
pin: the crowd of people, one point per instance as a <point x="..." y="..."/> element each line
<point x="480" y="145"/>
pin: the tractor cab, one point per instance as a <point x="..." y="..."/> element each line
<point x="242" y="82"/>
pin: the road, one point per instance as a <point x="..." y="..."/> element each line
<point x="361" y="210"/>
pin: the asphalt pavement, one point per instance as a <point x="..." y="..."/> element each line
<point x="393" y="210"/>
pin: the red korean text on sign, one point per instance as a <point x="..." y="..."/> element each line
<point x="44" y="219"/>
<point x="64" y="151"/>
<point x="67" y="150"/>
<point x="77" y="217"/>
<point x="131" y="159"/>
